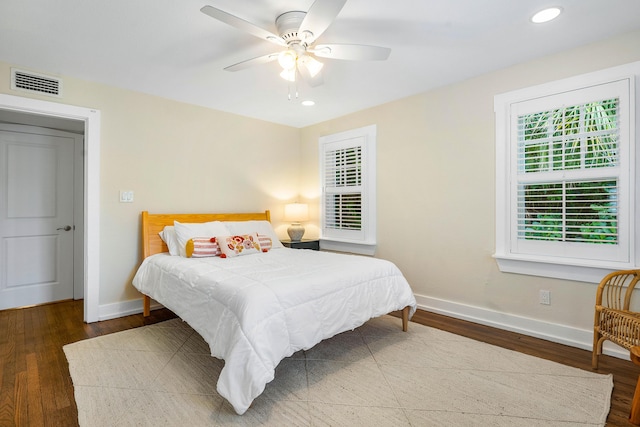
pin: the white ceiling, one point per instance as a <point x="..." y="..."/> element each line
<point x="170" y="49"/>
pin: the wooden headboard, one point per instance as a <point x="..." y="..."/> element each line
<point x="152" y="224"/>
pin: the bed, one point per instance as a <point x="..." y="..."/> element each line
<point x="256" y="310"/>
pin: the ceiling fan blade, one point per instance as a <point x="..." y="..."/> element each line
<point x="320" y="15"/>
<point x="251" y="62"/>
<point x="354" y="52"/>
<point x="243" y="25"/>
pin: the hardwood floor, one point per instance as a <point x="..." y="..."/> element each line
<point x="35" y="386"/>
<point x="36" y="389"/>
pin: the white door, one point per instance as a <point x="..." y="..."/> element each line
<point x="36" y="216"/>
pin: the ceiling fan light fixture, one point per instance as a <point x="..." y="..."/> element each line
<point x="546" y="15"/>
<point x="312" y="65"/>
<point x="287" y="59"/>
<point x="298" y="31"/>
<point x="289" y="75"/>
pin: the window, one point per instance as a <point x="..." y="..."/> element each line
<point x="565" y="168"/>
<point x="347" y="169"/>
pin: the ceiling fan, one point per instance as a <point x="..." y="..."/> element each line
<point x="297" y="33"/>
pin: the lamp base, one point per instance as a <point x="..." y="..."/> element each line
<point x="295" y="232"/>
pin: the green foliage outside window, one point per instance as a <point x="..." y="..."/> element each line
<point x="573" y="138"/>
<point x="586" y="213"/>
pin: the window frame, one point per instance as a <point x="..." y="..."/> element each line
<point x="362" y="241"/>
<point x="543" y="264"/>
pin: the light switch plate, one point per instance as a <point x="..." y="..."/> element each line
<point x="126" y="196"/>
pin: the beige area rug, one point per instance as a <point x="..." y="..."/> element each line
<point x="163" y="375"/>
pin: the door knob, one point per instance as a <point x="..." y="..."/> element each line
<point x="65" y="228"/>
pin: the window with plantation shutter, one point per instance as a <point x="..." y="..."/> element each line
<point x="347" y="165"/>
<point x="568" y="174"/>
<point x="565" y="164"/>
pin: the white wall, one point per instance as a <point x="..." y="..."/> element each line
<point x="436" y="197"/>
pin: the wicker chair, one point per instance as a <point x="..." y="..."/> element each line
<point x="613" y="319"/>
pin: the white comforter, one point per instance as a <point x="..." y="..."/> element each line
<point x="255" y="310"/>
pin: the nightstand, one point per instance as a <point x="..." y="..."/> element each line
<point x="313" y="244"/>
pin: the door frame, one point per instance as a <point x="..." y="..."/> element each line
<point x="91" y="244"/>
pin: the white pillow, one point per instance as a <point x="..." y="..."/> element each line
<point x="187" y="231"/>
<point x="260" y="227"/>
<point x="168" y="235"/>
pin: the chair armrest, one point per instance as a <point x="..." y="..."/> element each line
<point x="615" y="289"/>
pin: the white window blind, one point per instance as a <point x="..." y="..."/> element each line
<point x="347" y="166"/>
<point x="565" y="165"/>
<point x="343" y="188"/>
<point x="573" y="139"/>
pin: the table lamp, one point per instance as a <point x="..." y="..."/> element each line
<point x="296" y="213"/>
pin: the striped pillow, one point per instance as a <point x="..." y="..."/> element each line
<point x="265" y="242"/>
<point x="202" y="247"/>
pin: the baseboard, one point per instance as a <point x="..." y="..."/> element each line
<point x="124" y="308"/>
<point x="568" y="335"/>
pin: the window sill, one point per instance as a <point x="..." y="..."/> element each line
<point x="558" y="268"/>
<point x="341" y="246"/>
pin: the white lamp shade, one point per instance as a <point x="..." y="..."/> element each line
<point x="287" y="59"/>
<point x="289" y="75"/>
<point x="312" y="65"/>
<point x="296" y="212"/>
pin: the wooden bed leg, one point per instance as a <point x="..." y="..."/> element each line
<point x="405" y="319"/>
<point x="146" y="306"/>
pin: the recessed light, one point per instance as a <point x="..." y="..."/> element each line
<point x="546" y="15"/>
<point x="308" y="103"/>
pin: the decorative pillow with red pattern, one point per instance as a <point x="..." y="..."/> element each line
<point x="241" y="244"/>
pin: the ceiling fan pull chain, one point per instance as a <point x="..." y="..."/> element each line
<point x="295" y="88"/>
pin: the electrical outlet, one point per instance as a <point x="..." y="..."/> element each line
<point x="545" y="297"/>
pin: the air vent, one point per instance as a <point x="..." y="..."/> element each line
<point x="35" y="83"/>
